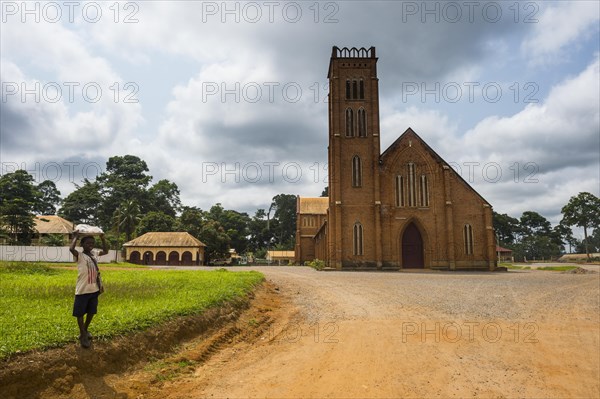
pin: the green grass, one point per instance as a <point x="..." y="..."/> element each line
<point x="36" y="301"/>
<point x="513" y="267"/>
<point x="557" y="268"/>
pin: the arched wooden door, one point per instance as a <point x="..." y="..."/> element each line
<point x="412" y="248"/>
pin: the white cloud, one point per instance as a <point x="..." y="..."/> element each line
<point x="560" y="25"/>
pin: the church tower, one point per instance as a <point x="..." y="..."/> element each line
<point x="354" y="225"/>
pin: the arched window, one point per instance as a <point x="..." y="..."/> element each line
<point x="348" y="90"/>
<point x="424" y="197"/>
<point x="357" y="239"/>
<point x="349" y="122"/>
<point x="362" y="123"/>
<point x="354" y="89"/>
<point x="412" y="185"/>
<point x="468" y="239"/>
<point x="361" y="90"/>
<point x="356" y="171"/>
<point x="399" y="190"/>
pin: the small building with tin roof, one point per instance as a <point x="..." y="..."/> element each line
<point x="166" y="249"/>
<point x="280" y="257"/>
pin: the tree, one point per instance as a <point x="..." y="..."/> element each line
<point x="537" y="240"/>
<point x="325" y="192"/>
<point x="564" y="234"/>
<point x="18" y="197"/>
<point x="235" y="225"/>
<point x="126" y="218"/>
<point x="156" y="221"/>
<point x="83" y="204"/>
<point x="534" y="223"/>
<point x="216" y="239"/>
<point x="54" y="240"/>
<point x="164" y="197"/>
<point x="284" y="220"/>
<point x="125" y="179"/>
<point x="260" y="235"/>
<point x="49" y="198"/>
<point x="583" y="211"/>
<point x="191" y="220"/>
<point x="506" y="227"/>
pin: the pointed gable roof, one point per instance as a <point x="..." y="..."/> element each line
<point x="411" y="134"/>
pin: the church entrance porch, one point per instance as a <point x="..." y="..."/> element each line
<point x="412" y="248"/>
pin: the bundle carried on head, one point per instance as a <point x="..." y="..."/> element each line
<point x="86" y="229"/>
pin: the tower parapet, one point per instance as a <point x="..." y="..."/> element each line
<point x="353" y="52"/>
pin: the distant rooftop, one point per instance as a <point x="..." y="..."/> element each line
<point x="52" y="224"/>
<point x="165" y="239"/>
<point x="314" y="206"/>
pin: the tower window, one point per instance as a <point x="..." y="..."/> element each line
<point x="399" y="190"/>
<point x="357" y="239"/>
<point x="424" y="198"/>
<point x="468" y="239"/>
<point x="354" y="89"/>
<point x="361" y="90"/>
<point x="412" y="185"/>
<point x="362" y="123"/>
<point x="356" y="171"/>
<point x="348" y="90"/>
<point x="349" y="122"/>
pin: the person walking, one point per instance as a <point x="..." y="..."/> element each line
<point x="88" y="286"/>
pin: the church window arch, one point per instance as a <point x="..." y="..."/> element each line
<point x="424" y="192"/>
<point x="349" y="122"/>
<point x="348" y="90"/>
<point x="356" y="171"/>
<point x="412" y="184"/>
<point x="362" y="123"/>
<point x="361" y="89"/>
<point x="468" y="239"/>
<point x="357" y="239"/>
<point x="400" y="201"/>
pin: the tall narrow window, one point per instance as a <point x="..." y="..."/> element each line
<point x="399" y="190"/>
<point x="412" y="185"/>
<point x="349" y="122"/>
<point x="354" y="89"/>
<point x="362" y="123"/>
<point x="468" y="238"/>
<point x="357" y="239"/>
<point x="348" y="90"/>
<point x="424" y="193"/>
<point x="361" y="90"/>
<point x="356" y="172"/>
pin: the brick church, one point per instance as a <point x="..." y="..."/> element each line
<point x="403" y="208"/>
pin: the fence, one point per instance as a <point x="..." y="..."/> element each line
<point x="47" y="254"/>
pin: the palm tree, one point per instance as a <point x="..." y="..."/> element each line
<point x="127" y="216"/>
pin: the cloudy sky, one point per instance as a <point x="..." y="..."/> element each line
<point x="228" y="99"/>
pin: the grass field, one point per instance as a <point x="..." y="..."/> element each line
<point x="36" y="301"/>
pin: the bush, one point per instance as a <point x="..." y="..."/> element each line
<point x="316" y="264"/>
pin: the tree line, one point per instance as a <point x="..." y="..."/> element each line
<point x="532" y="236"/>
<point x="124" y="203"/>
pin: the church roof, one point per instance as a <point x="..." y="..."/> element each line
<point x="165" y="239"/>
<point x="390" y="151"/>
<point x="313" y="206"/>
<point x="52" y="224"/>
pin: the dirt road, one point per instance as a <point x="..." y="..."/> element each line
<point x="390" y="335"/>
<point x="376" y="335"/>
